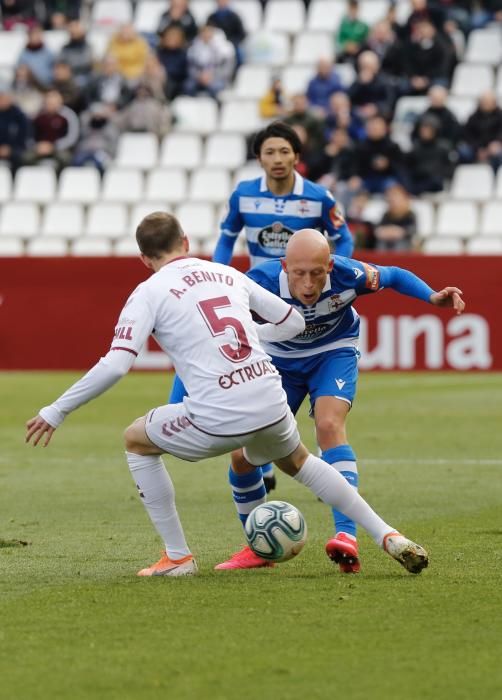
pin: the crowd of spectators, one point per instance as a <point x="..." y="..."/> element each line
<point x="65" y="109"/>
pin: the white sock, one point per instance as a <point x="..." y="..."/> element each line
<point x="333" y="489"/>
<point x="157" y="493"/>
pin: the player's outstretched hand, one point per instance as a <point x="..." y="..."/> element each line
<point x="449" y="296"/>
<point x="35" y="428"/>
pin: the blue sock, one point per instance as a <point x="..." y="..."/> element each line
<point x="267" y="469"/>
<point x="248" y="491"/>
<point x="343" y="459"/>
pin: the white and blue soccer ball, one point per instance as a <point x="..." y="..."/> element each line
<point x="276" y="531"/>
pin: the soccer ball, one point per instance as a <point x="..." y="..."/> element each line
<point x="276" y="531"/>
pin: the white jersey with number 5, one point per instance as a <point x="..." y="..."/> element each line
<point x="199" y="313"/>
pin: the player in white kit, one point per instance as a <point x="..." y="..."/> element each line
<point x="200" y="313"/>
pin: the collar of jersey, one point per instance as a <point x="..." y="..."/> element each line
<point x="297" y="188"/>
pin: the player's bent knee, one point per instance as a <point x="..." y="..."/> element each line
<point x="239" y="463"/>
<point x="135" y="438"/>
<point x="293" y="462"/>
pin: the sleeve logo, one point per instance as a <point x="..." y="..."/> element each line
<point x="372" y="277"/>
<point x="336" y="216"/>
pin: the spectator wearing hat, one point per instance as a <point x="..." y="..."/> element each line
<point x="99" y="137"/>
<point x="431" y="160"/>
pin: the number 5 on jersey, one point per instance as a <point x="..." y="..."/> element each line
<point x="208" y="309"/>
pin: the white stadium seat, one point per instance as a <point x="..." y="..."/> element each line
<point x="267" y="48"/>
<point x="122" y="185"/>
<point x="374" y="210"/>
<point x="424" y="212"/>
<point x="295" y="79"/>
<point x="35" y="183"/>
<point x="225" y="151"/>
<point x="107" y="220"/>
<point x="195" y="114"/>
<point x="462" y="107"/>
<point x="166" y="185"/>
<point x="55" y="39"/>
<point x="47" y="247"/>
<point x="443" y="246"/>
<point x="409" y="108"/>
<point x="98" y="41"/>
<point x="472" y="79"/>
<point x="201" y="9"/>
<point x="347" y="73"/>
<point x="284" y="16"/>
<point x="18" y="219"/>
<point x="181" y="151"/>
<point x="91" y="247"/>
<point x="11" y="45"/>
<point x="197" y="219"/>
<point x="457" y="219"/>
<point x="11" y="246"/>
<point x="252" y="82"/>
<point x="210" y="185"/>
<point x="491" y="219"/>
<point x="126" y="247"/>
<point x="484" y="246"/>
<point x="372" y="11"/>
<point x="241" y="116"/>
<point x="472" y="182"/>
<point x="484" y="46"/>
<point x="148" y="14"/>
<point x="309" y="47"/>
<point x="250" y="171"/>
<point x="498" y="85"/>
<point x="498" y="185"/>
<point x="79" y="185"/>
<point x="5" y="184"/>
<point x="110" y="14"/>
<point x="250" y="12"/>
<point x="325" y="15"/>
<point x="403" y="11"/>
<point x="63" y="220"/>
<point x="139" y="211"/>
<point x="137" y="151"/>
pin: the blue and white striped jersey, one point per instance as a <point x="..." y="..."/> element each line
<point x="330" y="323"/>
<point x="270" y="220"/>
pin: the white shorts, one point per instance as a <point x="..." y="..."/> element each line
<point x="172" y="431"/>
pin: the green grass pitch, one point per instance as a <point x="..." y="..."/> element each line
<point x="75" y="621"/>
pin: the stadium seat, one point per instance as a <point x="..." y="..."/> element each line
<point x="91" y="247"/>
<point x="309" y="47"/>
<point x="148" y="14"/>
<point x="240" y="116"/>
<point x="5" y="184"/>
<point x="325" y="15"/>
<point x="209" y="185"/>
<point x="197" y="219"/>
<point x="55" y="39"/>
<point x="472" y="182"/>
<point x="462" y="107"/>
<point x="424" y="212"/>
<point x="443" y="246"/>
<point x="111" y="14"/>
<point x="347" y="73"/>
<point x="18" y="219"/>
<point x="47" y="247"/>
<point x="498" y="85"/>
<point x="201" y="9"/>
<point x="403" y="11"/>
<point x="98" y="41"/>
<point x="79" y="185"/>
<point x="139" y="211"/>
<point x="267" y="48"/>
<point x="252" y="82"/>
<point x="484" y="246"/>
<point x="457" y="219"/>
<point x="63" y="220"/>
<point x="374" y="210"/>
<point x="206" y="246"/>
<point x="484" y="46"/>
<point x="195" y="114"/>
<point x="491" y="219"/>
<point x="11" y="246"/>
<point x="295" y="79"/>
<point x="181" y="151"/>
<point x="498" y="184"/>
<point x="225" y="151"/>
<point x="107" y="220"/>
<point x="372" y="11"/>
<point x="472" y="79"/>
<point x="166" y="185"/>
<point x="250" y="12"/>
<point x="35" y="183"/>
<point x="126" y="247"/>
<point x="408" y="109"/>
<point x="284" y="16"/>
<point x="122" y="185"/>
<point x="250" y="171"/>
<point x="11" y="45"/>
<point x="137" y="151"/>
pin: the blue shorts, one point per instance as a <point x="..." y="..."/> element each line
<point x="333" y="373"/>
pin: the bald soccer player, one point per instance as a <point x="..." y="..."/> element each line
<point x="321" y="362"/>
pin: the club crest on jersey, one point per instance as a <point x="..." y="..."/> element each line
<point x="336" y="302"/>
<point x="274" y="238"/>
<point x="303" y="207"/>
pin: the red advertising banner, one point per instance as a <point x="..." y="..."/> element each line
<point x="60" y="313"/>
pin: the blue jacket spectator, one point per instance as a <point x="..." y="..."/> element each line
<point x="172" y="54"/>
<point x="341" y="116"/>
<point x="14" y="130"/>
<point x="37" y="57"/>
<point x="325" y="82"/>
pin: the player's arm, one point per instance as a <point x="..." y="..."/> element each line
<point x="405" y="282"/>
<point x="230" y="228"/>
<point x="133" y="328"/>
<point x="283" y="321"/>
<point x="336" y="227"/>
